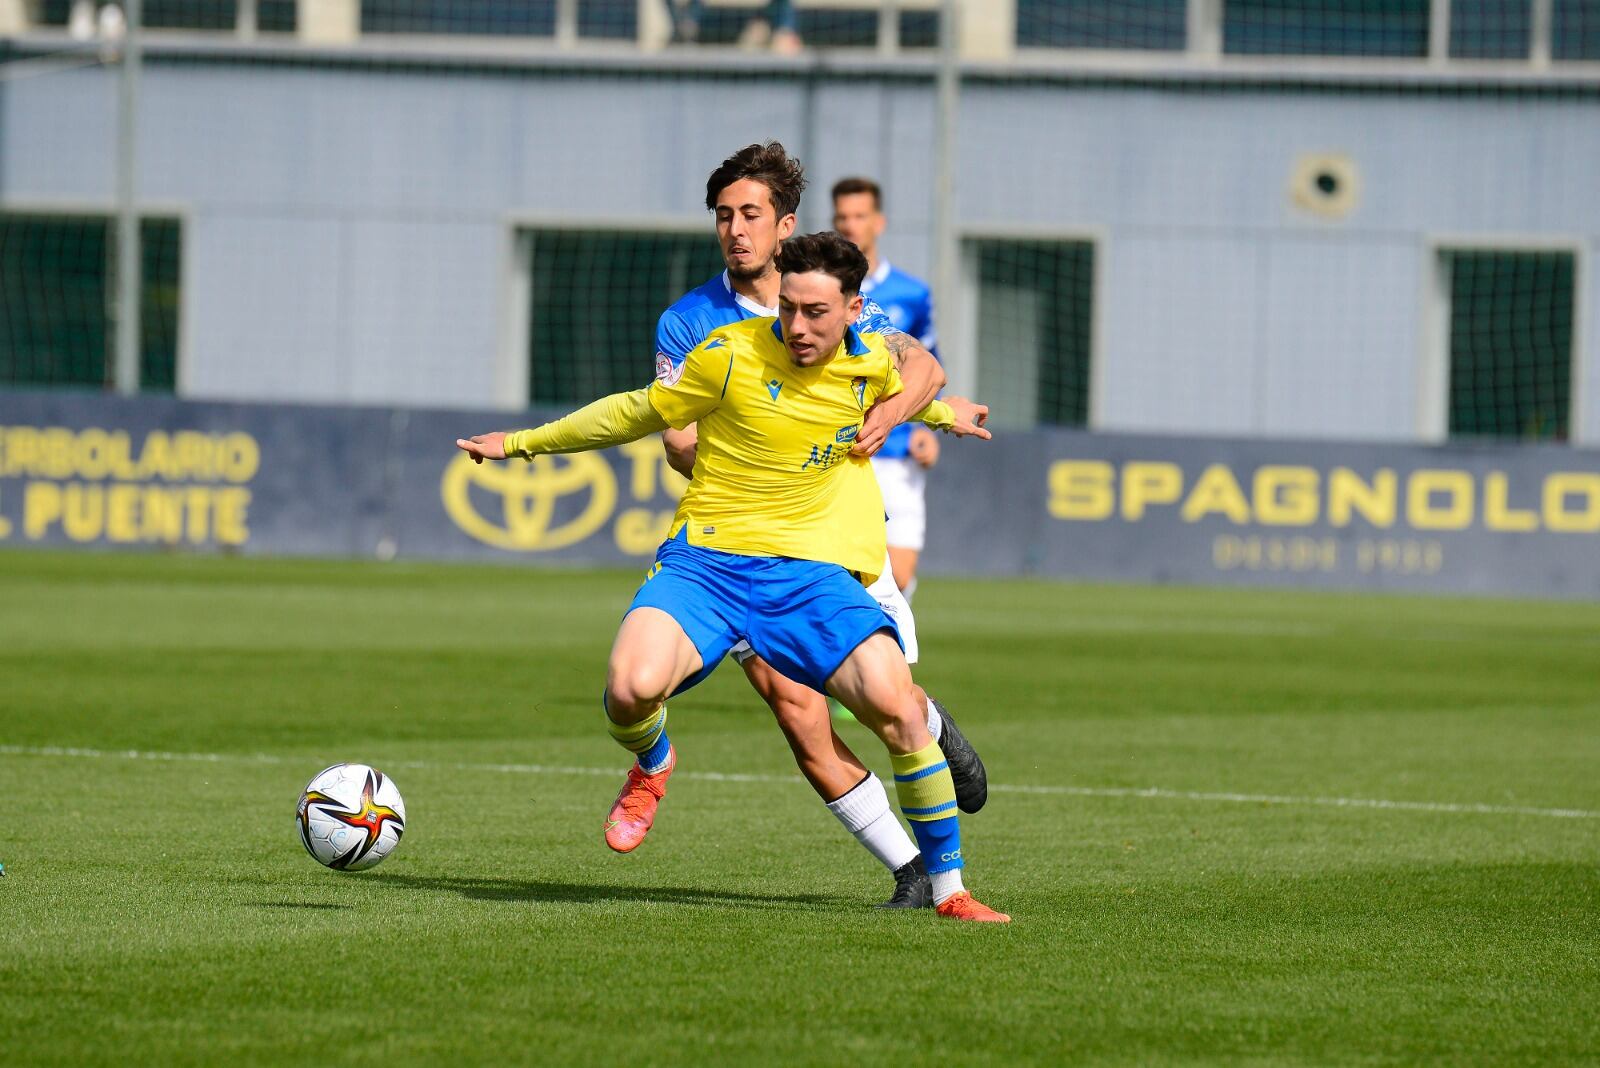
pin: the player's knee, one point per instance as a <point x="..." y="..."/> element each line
<point x="897" y="717"/>
<point x="900" y="704"/>
<point x="634" y="688"/>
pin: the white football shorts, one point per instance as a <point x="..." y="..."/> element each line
<point x="904" y="483"/>
<point x="889" y="598"/>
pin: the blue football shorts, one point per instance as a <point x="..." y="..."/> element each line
<point x="803" y="617"/>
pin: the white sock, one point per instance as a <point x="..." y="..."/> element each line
<point x="935" y="721"/>
<point x="945" y="884"/>
<point x="864" y="811"/>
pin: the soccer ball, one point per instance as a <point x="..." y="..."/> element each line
<point x="350" y="817"/>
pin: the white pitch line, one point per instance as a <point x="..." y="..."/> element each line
<point x="1152" y="792"/>
<point x="1286" y="799"/>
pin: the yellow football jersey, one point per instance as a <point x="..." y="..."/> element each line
<point x="773" y="474"/>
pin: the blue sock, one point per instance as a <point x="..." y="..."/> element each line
<point x="654" y="759"/>
<point x="928" y="802"/>
<point x="940" y="842"/>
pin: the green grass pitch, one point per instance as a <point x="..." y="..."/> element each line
<point x="159" y="909"/>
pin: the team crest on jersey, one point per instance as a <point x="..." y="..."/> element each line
<point x="858" y="384"/>
<point x="668" y="372"/>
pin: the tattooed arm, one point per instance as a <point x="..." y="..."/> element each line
<point x="923" y="379"/>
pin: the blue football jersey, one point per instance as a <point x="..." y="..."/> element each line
<point x="706" y="307"/>
<point x="908" y="302"/>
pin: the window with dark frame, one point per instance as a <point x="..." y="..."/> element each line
<point x="1510" y="343"/>
<point x="57" y="297"/>
<point x="594" y="299"/>
<point x="1034" y="329"/>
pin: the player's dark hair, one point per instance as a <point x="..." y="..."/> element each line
<point x="846" y="186"/>
<point x="768" y="164"/>
<point x="826" y="252"/>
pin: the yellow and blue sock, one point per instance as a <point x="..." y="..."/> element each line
<point x="646" y="739"/>
<point x="928" y="799"/>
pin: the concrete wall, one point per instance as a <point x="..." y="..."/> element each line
<point x="349" y="227"/>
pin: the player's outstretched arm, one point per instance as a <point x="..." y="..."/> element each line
<point x="922" y="379"/>
<point x="613" y="420"/>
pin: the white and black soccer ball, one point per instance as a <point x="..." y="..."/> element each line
<point x="350" y="817"/>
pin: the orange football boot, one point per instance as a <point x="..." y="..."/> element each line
<point x="963" y="906"/>
<point x="635" y="808"/>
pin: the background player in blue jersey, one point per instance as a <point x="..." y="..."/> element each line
<point x="902" y="463"/>
<point x="754" y="196"/>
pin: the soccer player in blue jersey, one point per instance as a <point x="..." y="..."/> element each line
<point x="902" y="464"/>
<point x="775" y="536"/>
<point x="754" y="195"/>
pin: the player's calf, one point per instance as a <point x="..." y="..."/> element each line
<point x="633" y="813"/>
<point x="802" y="714"/>
<point x="875" y="684"/>
<point x="651" y="656"/>
<point x="852" y="793"/>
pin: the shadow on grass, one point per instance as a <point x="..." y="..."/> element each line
<point x="513" y="890"/>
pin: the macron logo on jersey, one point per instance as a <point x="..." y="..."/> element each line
<point x="774" y="387"/>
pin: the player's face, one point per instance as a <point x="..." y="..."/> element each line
<point x="749" y="229"/>
<point x="858" y="221"/>
<point x="814" y="314"/>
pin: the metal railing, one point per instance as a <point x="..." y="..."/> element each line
<point x="988" y="32"/>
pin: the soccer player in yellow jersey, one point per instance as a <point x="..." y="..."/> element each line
<point x="774" y="538"/>
<point x="754" y="195"/>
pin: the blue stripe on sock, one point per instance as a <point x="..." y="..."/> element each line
<point x="931" y="810"/>
<point x="923" y="774"/>
<point x="654" y="759"/>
